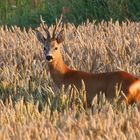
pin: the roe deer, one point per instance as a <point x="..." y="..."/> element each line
<point x="94" y="83"/>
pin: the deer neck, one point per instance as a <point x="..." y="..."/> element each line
<point x="57" y="70"/>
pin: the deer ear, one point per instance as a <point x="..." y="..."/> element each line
<point x="60" y="37"/>
<point x="40" y="37"/>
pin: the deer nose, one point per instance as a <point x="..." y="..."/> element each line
<point x="49" y="57"/>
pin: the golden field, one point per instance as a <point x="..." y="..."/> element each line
<point x="31" y="106"/>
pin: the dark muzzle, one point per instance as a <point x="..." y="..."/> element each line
<point x="49" y="58"/>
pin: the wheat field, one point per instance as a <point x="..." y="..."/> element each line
<point x="33" y="108"/>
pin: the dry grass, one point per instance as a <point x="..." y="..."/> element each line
<point x="32" y="108"/>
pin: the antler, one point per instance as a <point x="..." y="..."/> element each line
<point x="45" y="28"/>
<point x="57" y="25"/>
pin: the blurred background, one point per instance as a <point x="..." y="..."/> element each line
<point x="26" y="13"/>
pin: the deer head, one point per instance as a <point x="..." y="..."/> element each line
<point x="51" y="44"/>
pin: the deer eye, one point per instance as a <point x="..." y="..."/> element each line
<point x="55" y="48"/>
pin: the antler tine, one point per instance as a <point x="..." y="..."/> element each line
<point x="57" y="25"/>
<point x="44" y="28"/>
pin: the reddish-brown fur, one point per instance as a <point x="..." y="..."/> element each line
<point x="94" y="83"/>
